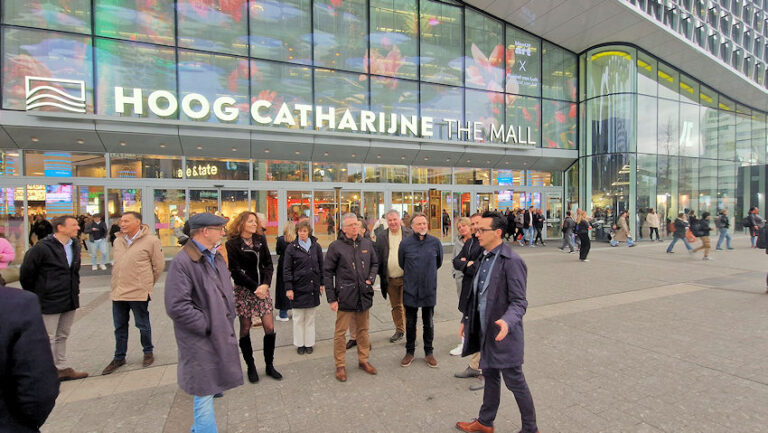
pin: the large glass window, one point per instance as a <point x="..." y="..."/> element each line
<point x="524" y="117"/>
<point x="281" y="83"/>
<point x="472" y="176"/>
<point x="442" y="102"/>
<point x="726" y="130"/>
<point x="559" y="124"/>
<point x="213" y="26"/>
<point x="646" y="74"/>
<point x="431" y="175"/>
<point x="668" y="127"/>
<point x="394" y="38"/>
<point x="214" y="75"/>
<point x="64" y="164"/>
<point x="688" y="184"/>
<point x="142" y="21"/>
<point x="609" y="122"/>
<point x="336" y="172"/>
<point x="441" y="42"/>
<point x="484" y="51"/>
<point x="708" y="185"/>
<point x="281" y="30"/>
<point x="709" y="118"/>
<point x="67" y="15"/>
<point x="341" y="30"/>
<point x="131" y="65"/>
<point x="380" y="173"/>
<point x="668" y="81"/>
<point x="689" y="129"/>
<point x="391" y="95"/>
<point x="281" y="171"/>
<point x="343" y="92"/>
<point x="523" y="63"/>
<point x="646" y="121"/>
<point x="610" y="70"/>
<point x="128" y="166"/>
<point x="47" y="55"/>
<point x="486" y="108"/>
<point x="758" y="138"/>
<point x="744" y="135"/>
<point x="558" y="73"/>
<point x="219" y="169"/>
<point x="9" y="163"/>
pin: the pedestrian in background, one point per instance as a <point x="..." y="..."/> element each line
<point x="303" y="278"/>
<point x="652" y="219"/>
<point x="7" y="255"/>
<point x="702" y="233"/>
<point x="199" y="301"/>
<point x="138" y="265"/>
<point x="621" y="232"/>
<point x="51" y="270"/>
<point x="538" y="224"/>
<point x="681" y="226"/>
<point x="251" y="266"/>
<point x="722" y="223"/>
<point x="568" y="227"/>
<point x="528" y="225"/>
<point x="282" y="303"/>
<point x="96" y="229"/>
<point x="582" y="230"/>
<point x="755" y="224"/>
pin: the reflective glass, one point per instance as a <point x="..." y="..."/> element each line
<point x="442" y="102"/>
<point x="726" y="189"/>
<point x="646" y="185"/>
<point x="340" y="32"/>
<point x="12" y="220"/>
<point x="688" y="184"/>
<point x="559" y="125"/>
<point x="689" y="130"/>
<point x="380" y="173"/>
<point x="610" y="70"/>
<point x="523" y="63"/>
<point x="441" y="41"/>
<point x="726" y="131"/>
<point x="128" y="166"/>
<point x="9" y="162"/>
<point x="708" y="185"/>
<point x="668" y="127"/>
<point x="213" y="76"/>
<point x="484" y="51"/>
<point x="285" y="170"/>
<point x="343" y="91"/>
<point x="646" y="74"/>
<point x="689" y="89"/>
<point x="758" y="138"/>
<point x="64" y="164"/>
<point x="67" y="15"/>
<point x="610" y="189"/>
<point x="668" y="82"/>
<point x="281" y="30"/>
<point x="609" y="122"/>
<point x="646" y="124"/>
<point x="135" y="20"/>
<point x="558" y="73"/>
<point x="708" y="115"/>
<point x="281" y="83"/>
<point x="42" y="54"/>
<point x="486" y="108"/>
<point x="743" y="138"/>
<point x="215" y="168"/>
<point x="394" y="38"/>
<point x="132" y="65"/>
<point x="524" y="116"/>
<point x="667" y="187"/>
<point x="213" y="26"/>
<point x="390" y="95"/>
<point x="336" y="172"/>
<point x="472" y="176"/>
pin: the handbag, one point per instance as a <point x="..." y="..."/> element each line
<point x="689" y="236"/>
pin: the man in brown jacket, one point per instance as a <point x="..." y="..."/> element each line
<point x="138" y="264"/>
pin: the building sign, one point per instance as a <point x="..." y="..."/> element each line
<point x="58" y="93"/>
<point x="164" y="103"/>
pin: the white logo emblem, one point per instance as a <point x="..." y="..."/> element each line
<point x="64" y="94"/>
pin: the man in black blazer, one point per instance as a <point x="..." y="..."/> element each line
<point x="493" y="324"/>
<point x="390" y="272"/>
<point x="29" y="384"/>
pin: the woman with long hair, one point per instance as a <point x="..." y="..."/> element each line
<point x="582" y="230"/>
<point x="465" y="233"/>
<point x="282" y="302"/>
<point x="250" y="264"/>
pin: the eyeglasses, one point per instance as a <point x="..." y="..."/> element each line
<point x="483" y="230"/>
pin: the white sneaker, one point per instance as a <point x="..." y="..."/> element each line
<point x="94" y="267"/>
<point x="103" y="267"/>
<point x="281" y="319"/>
<point x="456" y="351"/>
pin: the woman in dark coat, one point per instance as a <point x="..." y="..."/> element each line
<point x="250" y="264"/>
<point x="303" y="274"/>
<point x="282" y="302"/>
<point x="582" y="230"/>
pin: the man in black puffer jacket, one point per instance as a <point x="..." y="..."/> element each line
<point x="350" y="268"/>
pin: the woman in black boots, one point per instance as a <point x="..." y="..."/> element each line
<point x="251" y="267"/>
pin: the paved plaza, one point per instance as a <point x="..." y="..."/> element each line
<point x="635" y="340"/>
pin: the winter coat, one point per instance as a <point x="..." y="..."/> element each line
<point x="96" y="230"/>
<point x="281" y="301"/>
<point x="348" y="264"/>
<point x="519" y="220"/>
<point x="41" y="229"/>
<point x="680" y="228"/>
<point x="653" y="220"/>
<point x="703" y="228"/>
<point x="250" y="267"/>
<point x="46" y="273"/>
<point x="137" y="267"/>
<point x="622" y="230"/>
<point x="382" y="252"/>
<point x="568" y="226"/>
<point x="506" y="301"/>
<point x="7" y="252"/>
<point x="538" y="221"/>
<point x="30" y="383"/>
<point x="420" y="260"/>
<point x="303" y="273"/>
<point x="458" y="245"/>
<point x="527" y="219"/>
<point x="200" y="300"/>
<point x="470" y="252"/>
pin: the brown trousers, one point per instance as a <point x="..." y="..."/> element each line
<point x="395" y="293"/>
<point x="705" y="245"/>
<point x="343" y="320"/>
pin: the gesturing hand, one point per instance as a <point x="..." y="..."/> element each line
<point x="503" y="329"/>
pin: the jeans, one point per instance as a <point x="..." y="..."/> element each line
<point x="630" y="242"/>
<point x="724" y="235"/>
<point x="567" y="241"/>
<point x="515" y="381"/>
<point x="674" y="241"/>
<point x="204" y="418"/>
<point x="529" y="234"/>
<point x="98" y="246"/>
<point x="410" y="329"/>
<point x="120" y="315"/>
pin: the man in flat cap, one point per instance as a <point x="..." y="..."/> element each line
<point x="199" y="299"/>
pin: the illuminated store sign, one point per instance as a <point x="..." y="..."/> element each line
<point x="164" y="103"/>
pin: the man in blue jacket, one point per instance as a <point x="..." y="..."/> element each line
<point x="493" y="325"/>
<point x="420" y="256"/>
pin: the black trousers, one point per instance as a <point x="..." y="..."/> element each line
<point x="585" y="245"/>
<point x="515" y="381"/>
<point x="410" y="329"/>
<point x="653" y="230"/>
<point x="538" y="236"/>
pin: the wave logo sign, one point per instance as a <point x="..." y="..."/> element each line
<point x="58" y="93"/>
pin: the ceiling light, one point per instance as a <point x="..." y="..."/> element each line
<point x="80" y="141"/>
<point x="325" y="153"/>
<point x="378" y="156"/>
<point x="488" y="162"/>
<point x="297" y="152"/>
<point x="122" y="143"/>
<point x="469" y="160"/>
<point x="354" y="155"/>
<point x="426" y="158"/>
<point x="34" y="139"/>
<point x="266" y="150"/>
<point x="234" y="149"/>
<point x="162" y="145"/>
<point x="402" y="157"/>
<point x="199" y="147"/>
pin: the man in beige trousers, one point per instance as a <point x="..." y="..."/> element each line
<point x="138" y="264"/>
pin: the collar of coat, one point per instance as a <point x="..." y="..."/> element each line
<point x="312" y="241"/>
<point x="418" y="236"/>
<point x="193" y="251"/>
<point x="143" y="230"/>
<point x="504" y="251"/>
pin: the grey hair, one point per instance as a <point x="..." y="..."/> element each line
<point x="393" y="211"/>
<point x="347" y="216"/>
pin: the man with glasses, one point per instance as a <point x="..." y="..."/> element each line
<point x="199" y="299"/>
<point x="493" y="325"/>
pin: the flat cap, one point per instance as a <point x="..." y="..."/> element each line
<point x="205" y="220"/>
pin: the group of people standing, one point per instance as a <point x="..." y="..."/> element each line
<point x="525" y="226"/>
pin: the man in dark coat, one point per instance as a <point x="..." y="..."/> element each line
<point x="494" y="325"/>
<point x="420" y="255"/>
<point x="29" y="381"/>
<point x="349" y="270"/>
<point x="41" y="229"/>
<point x="528" y="225"/>
<point x="390" y="272"/>
<point x="51" y="270"/>
<point x="199" y="298"/>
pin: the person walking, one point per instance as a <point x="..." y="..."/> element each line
<point x="303" y="278"/>
<point x="538" y="224"/>
<point x="652" y="219"/>
<point x="282" y="303"/>
<point x="702" y="232"/>
<point x="569" y="225"/>
<point x="446" y="223"/>
<point x="199" y="300"/>
<point x="96" y="229"/>
<point x="349" y="270"/>
<point x="138" y="265"/>
<point x="51" y="270"/>
<point x="755" y="224"/>
<point x="582" y="231"/>
<point x="722" y="223"/>
<point x="420" y="255"/>
<point x="493" y="325"/>
<point x="622" y="232"/>
<point x="528" y="225"/>
<point x="29" y="381"/>
<point x="390" y="272"/>
<point x="465" y="234"/>
<point x="681" y="227"/>
<point x="251" y="266"/>
<point x="7" y="255"/>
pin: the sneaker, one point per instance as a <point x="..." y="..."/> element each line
<point x="103" y="267"/>
<point x="719" y="249"/>
<point x="94" y="267"/>
<point x="731" y="248"/>
<point x="395" y="337"/>
<point x="282" y="319"/>
<point x="467" y="373"/>
<point x="149" y="358"/>
<point x="584" y="260"/>
<point x="407" y="360"/>
<point x="670" y="252"/>
<point x="218" y="395"/>
<point x="456" y="351"/>
<point x="707" y="258"/>
<point x="112" y="366"/>
<point x="691" y="252"/>
<point x="431" y="361"/>
<point x="351" y="344"/>
<point x="478" y="384"/>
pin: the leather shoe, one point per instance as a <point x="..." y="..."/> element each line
<point x="71" y="374"/>
<point x="308" y="350"/>
<point x="396" y="337"/>
<point x="341" y="374"/>
<point x="407" y="360"/>
<point x="431" y="360"/>
<point x="474" y="426"/>
<point x="351" y="344"/>
<point x="478" y="384"/>
<point x="149" y="358"/>
<point x="301" y="350"/>
<point x="367" y="367"/>
<point x="111" y="367"/>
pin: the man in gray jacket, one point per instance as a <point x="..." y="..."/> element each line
<point x="199" y="299"/>
<point x="568" y="225"/>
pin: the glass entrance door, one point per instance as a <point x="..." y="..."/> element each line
<point x="170" y="214"/>
<point x="324" y="216"/>
<point x="553" y="215"/>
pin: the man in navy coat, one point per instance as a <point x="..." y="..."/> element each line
<point x="493" y="325"/>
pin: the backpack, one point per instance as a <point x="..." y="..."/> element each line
<point x="746" y="222"/>
<point x="761" y="238"/>
<point x="719" y="223"/>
